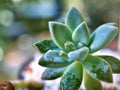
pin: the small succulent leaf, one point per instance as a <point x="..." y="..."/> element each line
<point x="52" y="73"/>
<point x="79" y="54"/>
<point x="69" y="46"/>
<point x="91" y="83"/>
<point x="60" y="33"/>
<point x="52" y="59"/>
<point x="63" y="55"/>
<point x="73" y="18"/>
<point x="79" y="45"/>
<point x="102" y="36"/>
<point x="44" y="45"/>
<point x="114" y="62"/>
<point x="98" y="68"/>
<point x="72" y="77"/>
<point x="81" y="34"/>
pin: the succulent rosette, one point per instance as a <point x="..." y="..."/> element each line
<point x="69" y="54"/>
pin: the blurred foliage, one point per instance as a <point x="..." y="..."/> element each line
<point x="27" y="16"/>
<point x="102" y="11"/>
<point x="18" y="17"/>
<point x="20" y="22"/>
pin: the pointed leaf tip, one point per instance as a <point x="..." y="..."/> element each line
<point x="113" y="61"/>
<point x="52" y="73"/>
<point x="60" y="33"/>
<point x="102" y="36"/>
<point x="72" y="77"/>
<point x="81" y="34"/>
<point x="73" y="18"/>
<point x="44" y="45"/>
<point x="98" y="68"/>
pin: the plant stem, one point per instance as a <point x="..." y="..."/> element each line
<point x="27" y="84"/>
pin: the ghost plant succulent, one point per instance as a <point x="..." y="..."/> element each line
<point x="69" y="54"/>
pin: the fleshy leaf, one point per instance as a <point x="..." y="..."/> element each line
<point x="44" y="45"/>
<point x="52" y="59"/>
<point x="79" y="54"/>
<point x="60" y="33"/>
<point x="114" y="62"/>
<point x="52" y="73"/>
<point x="69" y="46"/>
<point x="72" y="77"/>
<point x="79" y="45"/>
<point x="81" y="34"/>
<point x="73" y="18"/>
<point x="98" y="68"/>
<point x="91" y="83"/>
<point x="102" y="36"/>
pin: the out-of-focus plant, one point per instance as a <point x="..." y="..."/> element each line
<point x="102" y="11"/>
<point x="14" y="13"/>
<point x="39" y="12"/>
<point x="70" y="53"/>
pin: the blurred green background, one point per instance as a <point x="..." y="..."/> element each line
<point x="23" y="22"/>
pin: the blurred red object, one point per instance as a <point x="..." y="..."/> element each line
<point x="6" y="85"/>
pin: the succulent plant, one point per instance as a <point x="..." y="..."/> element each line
<point x="69" y="54"/>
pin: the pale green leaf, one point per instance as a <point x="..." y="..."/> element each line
<point x="72" y="77"/>
<point x="114" y="62"/>
<point x="73" y="18"/>
<point x="69" y="46"/>
<point x="44" y="45"/>
<point x="79" y="54"/>
<point x="91" y="83"/>
<point x="98" y="68"/>
<point x="81" y="34"/>
<point x="102" y="36"/>
<point x="60" y="33"/>
<point x="52" y="59"/>
<point x="52" y="73"/>
<point x="79" y="45"/>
